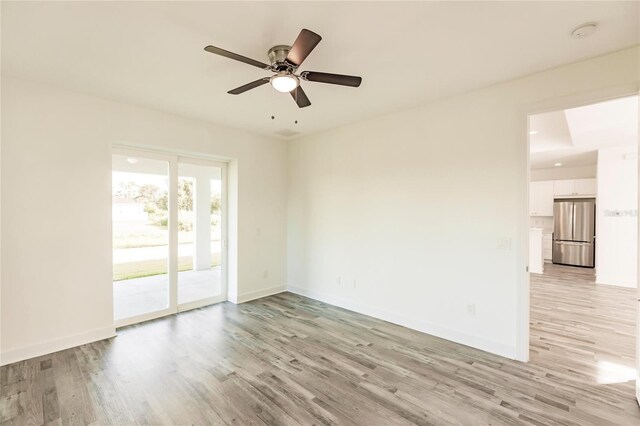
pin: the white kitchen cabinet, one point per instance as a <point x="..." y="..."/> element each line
<point x="541" y="198"/>
<point x="536" y="263"/>
<point x="563" y="187"/>
<point x="585" y="186"/>
<point x="547" y="246"/>
<point x="574" y="187"/>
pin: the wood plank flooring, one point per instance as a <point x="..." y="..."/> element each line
<point x="286" y="360"/>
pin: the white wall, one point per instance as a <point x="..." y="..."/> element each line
<point x="412" y="206"/>
<point x="560" y="173"/>
<point x="56" y="209"/>
<point x="616" y="212"/>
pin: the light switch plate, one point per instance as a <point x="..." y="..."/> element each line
<point x="504" y="244"/>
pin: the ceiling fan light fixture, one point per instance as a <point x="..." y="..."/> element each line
<point x="285" y="61"/>
<point x="284" y="82"/>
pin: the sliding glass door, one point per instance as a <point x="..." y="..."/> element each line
<point x="200" y="223"/>
<point x="140" y="194"/>
<point x="169" y="234"/>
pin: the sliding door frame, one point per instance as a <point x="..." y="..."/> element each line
<point x="172" y="268"/>
<point x="223" y="243"/>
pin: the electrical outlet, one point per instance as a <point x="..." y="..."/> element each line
<point x="339" y="281"/>
<point x="471" y="308"/>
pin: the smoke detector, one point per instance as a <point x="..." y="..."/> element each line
<point x="584" y="30"/>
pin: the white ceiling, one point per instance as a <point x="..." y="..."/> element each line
<point x="408" y="53"/>
<point x="573" y="136"/>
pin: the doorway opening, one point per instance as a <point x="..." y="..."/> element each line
<point x="583" y="241"/>
<point x="169" y="234"/>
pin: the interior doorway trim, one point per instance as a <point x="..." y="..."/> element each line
<point x="555" y="104"/>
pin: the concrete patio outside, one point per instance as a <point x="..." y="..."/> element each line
<point x="149" y="294"/>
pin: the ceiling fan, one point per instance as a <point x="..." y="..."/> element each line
<point x="285" y="61"/>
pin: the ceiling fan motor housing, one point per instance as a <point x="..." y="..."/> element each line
<point x="277" y="56"/>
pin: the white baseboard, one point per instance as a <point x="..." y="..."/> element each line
<point x="252" y="295"/>
<point x="622" y="281"/>
<point x="412" y="323"/>
<point x="55" y="345"/>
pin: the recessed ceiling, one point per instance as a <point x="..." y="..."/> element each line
<point x="567" y="158"/>
<point x="408" y="53"/>
<point x="611" y="123"/>
<point x="550" y="132"/>
<point x="574" y="136"/>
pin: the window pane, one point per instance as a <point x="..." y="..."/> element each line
<point x="200" y="235"/>
<point x="140" y="211"/>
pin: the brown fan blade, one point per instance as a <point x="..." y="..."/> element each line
<point x="300" y="97"/>
<point x="323" y="77"/>
<point x="231" y="55"/>
<point x="304" y="44"/>
<point x="249" y="86"/>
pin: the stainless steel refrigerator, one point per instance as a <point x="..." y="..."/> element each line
<point x="574" y="232"/>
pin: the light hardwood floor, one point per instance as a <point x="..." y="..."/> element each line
<point x="286" y="359"/>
